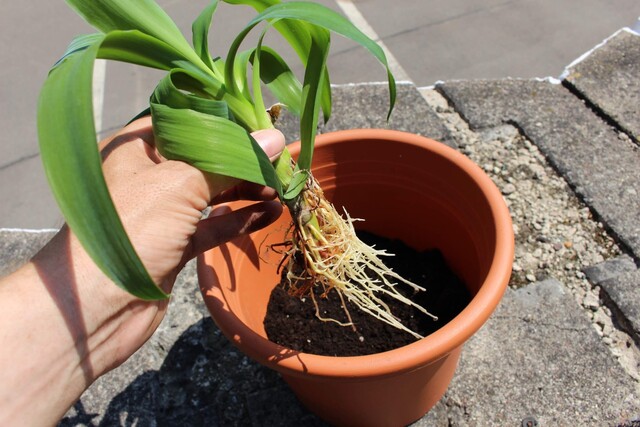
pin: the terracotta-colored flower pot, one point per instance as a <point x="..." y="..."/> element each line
<point x="404" y="186"/>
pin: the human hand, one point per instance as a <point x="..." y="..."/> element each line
<point x="161" y="202"/>
<point x="80" y="324"/>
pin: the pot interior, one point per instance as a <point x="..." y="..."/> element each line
<point x="420" y="192"/>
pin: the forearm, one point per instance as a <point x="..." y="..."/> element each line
<point x="51" y="348"/>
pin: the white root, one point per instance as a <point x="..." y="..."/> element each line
<point x="336" y="259"/>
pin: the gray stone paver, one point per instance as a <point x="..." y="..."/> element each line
<point x="539" y="356"/>
<point x="17" y="247"/>
<point x="366" y="105"/>
<point x="608" y="78"/>
<point x="620" y="279"/>
<point x="624" y="291"/>
<point x="594" y="159"/>
<point x="610" y="269"/>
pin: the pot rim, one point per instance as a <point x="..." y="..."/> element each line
<point x="406" y="358"/>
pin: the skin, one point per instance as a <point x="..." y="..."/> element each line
<point x="64" y="323"/>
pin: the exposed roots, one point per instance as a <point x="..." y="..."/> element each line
<point x="336" y="259"/>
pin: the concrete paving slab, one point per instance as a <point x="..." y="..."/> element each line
<point x="33" y="35"/>
<point x="619" y="280"/>
<point x="539" y="356"/>
<point x="599" y="163"/>
<point x="608" y="78"/>
<point x="366" y="106"/>
<point x="18" y="246"/>
<point x="624" y="291"/>
<point x="610" y="269"/>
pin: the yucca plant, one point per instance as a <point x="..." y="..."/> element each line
<point x="203" y="111"/>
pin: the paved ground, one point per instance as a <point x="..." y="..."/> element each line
<point x="562" y="348"/>
<point x="430" y="41"/>
<point x="564" y="154"/>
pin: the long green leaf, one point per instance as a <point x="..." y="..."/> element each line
<point x="135" y="47"/>
<point x="311" y="96"/>
<point x="324" y="17"/>
<point x="275" y="73"/>
<point x="177" y="90"/>
<point x="200" y="33"/>
<point x="212" y="144"/>
<point x="73" y="167"/>
<point x="280" y="80"/>
<point x="258" y="101"/>
<point x="297" y="34"/>
<point x="240" y="73"/>
<point x="143" y="15"/>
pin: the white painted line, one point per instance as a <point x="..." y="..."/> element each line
<point x="354" y="15"/>
<point x="99" y="78"/>
<point x="30" y="230"/>
<point x="636" y="27"/>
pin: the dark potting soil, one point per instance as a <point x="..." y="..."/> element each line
<point x="292" y="322"/>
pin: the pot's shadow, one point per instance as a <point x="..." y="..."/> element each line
<point x="204" y="380"/>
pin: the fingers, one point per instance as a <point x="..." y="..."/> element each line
<point x="128" y="157"/>
<point x="245" y="191"/>
<point x="221" y="189"/>
<point x="224" y="225"/>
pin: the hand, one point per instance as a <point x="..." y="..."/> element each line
<point x="64" y="323"/>
<point x="160" y="203"/>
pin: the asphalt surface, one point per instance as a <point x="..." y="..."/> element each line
<point x="429" y="41"/>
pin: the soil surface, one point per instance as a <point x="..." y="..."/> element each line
<point x="292" y="322"/>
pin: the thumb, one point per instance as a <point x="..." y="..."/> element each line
<point x="272" y="142"/>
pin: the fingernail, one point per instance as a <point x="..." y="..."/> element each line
<point x="271" y="140"/>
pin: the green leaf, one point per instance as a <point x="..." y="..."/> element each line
<point x="297" y="34"/>
<point x="328" y="19"/>
<point x="145" y="16"/>
<point x="240" y="73"/>
<point x="316" y="41"/>
<point x="275" y="73"/>
<point x="73" y="167"/>
<point x="177" y="90"/>
<point x="200" y="31"/>
<point x="280" y="80"/>
<point x="79" y="43"/>
<point x="296" y="185"/>
<point x="311" y="96"/>
<point x="135" y="47"/>
<point x="264" y="119"/>
<point x="212" y="144"/>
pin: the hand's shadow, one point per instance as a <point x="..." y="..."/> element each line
<point x="204" y="380"/>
